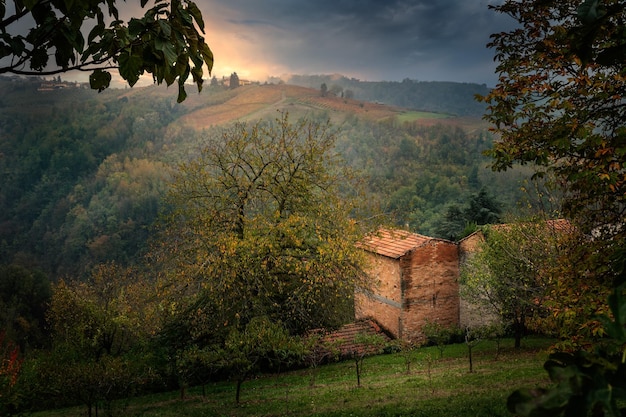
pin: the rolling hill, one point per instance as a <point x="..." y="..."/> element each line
<point x="83" y="174"/>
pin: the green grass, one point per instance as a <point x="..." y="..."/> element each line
<point x="410" y="116"/>
<point x="434" y="387"/>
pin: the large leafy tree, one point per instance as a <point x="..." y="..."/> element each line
<point x="559" y="102"/>
<point x="100" y="330"/>
<point x="480" y="209"/>
<point x="166" y="42"/>
<point x="24" y="295"/>
<point x="259" y="227"/>
<point x="507" y="275"/>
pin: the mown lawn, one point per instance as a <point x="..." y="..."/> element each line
<point x="432" y="387"/>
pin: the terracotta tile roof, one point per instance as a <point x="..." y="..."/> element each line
<point x="393" y="243"/>
<point x="560" y="225"/>
<point x="555" y="225"/>
<point x="344" y="338"/>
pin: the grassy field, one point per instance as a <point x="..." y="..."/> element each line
<point x="432" y="387"/>
<point x="410" y="116"/>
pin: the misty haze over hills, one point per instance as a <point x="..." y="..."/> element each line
<point x="436" y="96"/>
<point x="82" y="183"/>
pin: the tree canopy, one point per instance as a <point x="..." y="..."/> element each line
<point x="508" y="273"/>
<point x="166" y="42"/>
<point x="258" y="228"/>
<point x="559" y="102"/>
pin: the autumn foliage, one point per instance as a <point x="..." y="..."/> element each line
<point x="10" y="366"/>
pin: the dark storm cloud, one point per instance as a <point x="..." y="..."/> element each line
<point x="391" y="40"/>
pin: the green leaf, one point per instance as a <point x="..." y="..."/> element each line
<point x="97" y="31"/>
<point x="99" y="80"/>
<point x="207" y="55"/>
<point x="15" y="44"/>
<point x="590" y="11"/>
<point x="197" y="15"/>
<point x="165" y="28"/>
<point x="617" y="304"/>
<point x="5" y="50"/>
<point x="30" y="4"/>
<point x="165" y="46"/>
<point x="130" y="67"/>
<point x="69" y="4"/>
<point x="196" y="74"/>
<point x="64" y="56"/>
<point x="168" y="75"/>
<point x="186" y="16"/>
<point x="182" y="94"/>
<point x="73" y="37"/>
<point x="39" y="59"/>
<point x="112" y="9"/>
<point x="136" y="27"/>
<point x="100" y="17"/>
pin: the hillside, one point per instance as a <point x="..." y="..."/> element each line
<point x="434" y="96"/>
<point x="219" y="106"/>
<point x="83" y="174"/>
<point x="259" y="101"/>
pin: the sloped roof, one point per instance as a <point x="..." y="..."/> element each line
<point x="560" y="226"/>
<point x="554" y="225"/>
<point x="346" y="336"/>
<point x="393" y="243"/>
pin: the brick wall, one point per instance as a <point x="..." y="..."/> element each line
<point x="431" y="275"/>
<point x="421" y="285"/>
<point x="385" y="301"/>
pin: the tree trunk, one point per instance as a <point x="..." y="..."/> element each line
<point x="498" y="342"/>
<point x="358" y="371"/>
<point x="238" y="393"/>
<point x="519" y="332"/>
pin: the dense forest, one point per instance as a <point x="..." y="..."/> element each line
<point x="83" y="184"/>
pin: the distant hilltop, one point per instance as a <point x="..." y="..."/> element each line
<point x="44" y="84"/>
<point x="444" y="97"/>
<point x="448" y="97"/>
<point x="52" y="85"/>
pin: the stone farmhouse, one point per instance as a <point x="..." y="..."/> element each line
<point x="416" y="281"/>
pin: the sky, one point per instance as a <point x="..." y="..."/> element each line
<point x="371" y="40"/>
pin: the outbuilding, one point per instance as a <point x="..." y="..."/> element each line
<point x="415" y="282"/>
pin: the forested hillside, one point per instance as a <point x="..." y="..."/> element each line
<point x="83" y="174"/>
